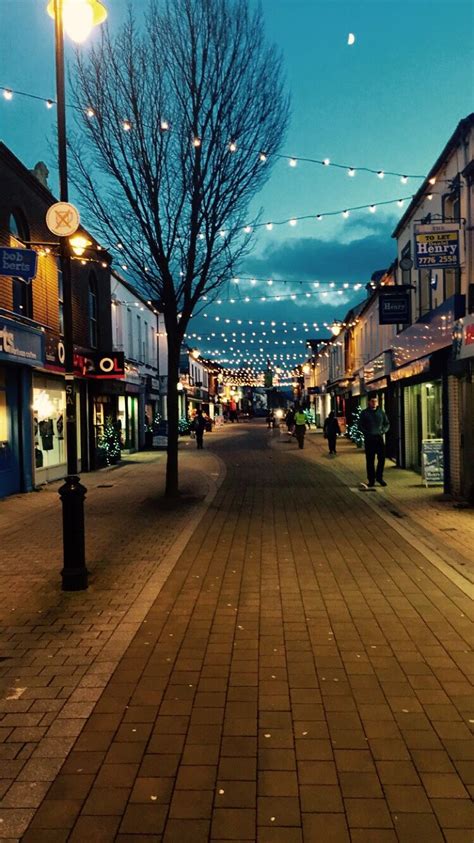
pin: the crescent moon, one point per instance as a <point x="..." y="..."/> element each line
<point x="351" y="38"/>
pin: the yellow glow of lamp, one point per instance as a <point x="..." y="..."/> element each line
<point x="79" y="17"/>
<point x="79" y="244"/>
<point x="336" y="328"/>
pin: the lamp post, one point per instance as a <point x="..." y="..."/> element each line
<point x="77" y="17"/>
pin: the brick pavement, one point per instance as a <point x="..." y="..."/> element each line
<point x="303" y="675"/>
<point x="58" y="650"/>
<point x="440" y="523"/>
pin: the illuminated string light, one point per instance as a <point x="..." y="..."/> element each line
<point x="126" y="125"/>
<point x="263" y="156"/>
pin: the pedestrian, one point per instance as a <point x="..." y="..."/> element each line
<point x="199" y="428"/>
<point x="374" y="423"/>
<point x="331" y="431"/>
<point x="270" y="420"/>
<point x="300" y="426"/>
<point x="290" y="420"/>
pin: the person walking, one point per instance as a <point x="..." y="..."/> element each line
<point x="300" y="426"/>
<point x="199" y="428"/>
<point x="331" y="431"/>
<point x="290" y="419"/>
<point x="270" y="420"/>
<point x="374" y="423"/>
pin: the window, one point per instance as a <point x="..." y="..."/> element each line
<point x="452" y="213"/>
<point x="129" y="352"/>
<point x="424" y="291"/>
<point x="21" y="290"/>
<point x="93" y="333"/>
<point x="146" y="347"/>
<point x="139" y="338"/>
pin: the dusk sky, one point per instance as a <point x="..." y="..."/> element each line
<point x="389" y="102"/>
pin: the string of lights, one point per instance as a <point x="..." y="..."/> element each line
<point x="233" y="146"/>
<point x="270" y="323"/>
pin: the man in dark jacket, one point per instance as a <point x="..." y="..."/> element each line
<point x="199" y="427"/>
<point x="374" y="423"/>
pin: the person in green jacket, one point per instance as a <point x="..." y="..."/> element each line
<point x="300" y="426"/>
<point x="374" y="423"/>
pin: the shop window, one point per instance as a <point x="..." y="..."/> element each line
<point x="21" y="290"/>
<point x="93" y="333"/>
<point x="5" y="431"/>
<point x="49" y="413"/>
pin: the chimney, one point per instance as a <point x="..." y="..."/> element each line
<point x="41" y="172"/>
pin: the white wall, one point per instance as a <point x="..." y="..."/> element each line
<point x="134" y="328"/>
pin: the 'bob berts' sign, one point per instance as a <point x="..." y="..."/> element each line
<point x="437" y="246"/>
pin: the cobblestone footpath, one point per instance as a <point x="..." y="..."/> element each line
<point x="58" y="650"/>
<point x="303" y="675"/>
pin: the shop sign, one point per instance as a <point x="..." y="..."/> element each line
<point x="54" y="352"/>
<point x="101" y="366"/>
<point x="463" y="338"/>
<point x="153" y="384"/>
<point x="394" y="306"/>
<point x="437" y="246"/>
<point x="18" y="263"/>
<point x="432" y="461"/>
<point x="432" y="332"/>
<point x="20" y="344"/>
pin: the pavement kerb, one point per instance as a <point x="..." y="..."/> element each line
<point x="132" y="620"/>
<point x="408" y="531"/>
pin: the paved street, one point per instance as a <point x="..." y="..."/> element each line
<point x="274" y="661"/>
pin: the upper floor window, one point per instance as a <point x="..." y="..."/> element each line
<point x="93" y="328"/>
<point x="22" y="295"/>
<point x="139" y="338"/>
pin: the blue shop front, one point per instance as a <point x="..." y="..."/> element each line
<point x="21" y="352"/>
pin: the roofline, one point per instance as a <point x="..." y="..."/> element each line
<point x="15" y="164"/>
<point x="465" y="124"/>
<point x="134" y="291"/>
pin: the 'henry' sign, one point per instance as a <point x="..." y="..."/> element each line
<point x="19" y="263"/>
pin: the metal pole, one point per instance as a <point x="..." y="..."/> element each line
<point x="72" y="493"/>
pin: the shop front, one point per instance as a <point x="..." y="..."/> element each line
<point x="421" y="357"/>
<point x="21" y="351"/>
<point x="461" y="369"/>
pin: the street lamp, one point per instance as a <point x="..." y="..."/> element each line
<point x="76" y="17"/>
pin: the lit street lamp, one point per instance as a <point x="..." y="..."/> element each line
<point x="76" y="18"/>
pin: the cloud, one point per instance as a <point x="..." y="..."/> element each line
<point x="366" y="247"/>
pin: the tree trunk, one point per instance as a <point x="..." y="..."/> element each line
<point x="171" y="490"/>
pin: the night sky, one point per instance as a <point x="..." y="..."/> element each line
<point x="388" y="102"/>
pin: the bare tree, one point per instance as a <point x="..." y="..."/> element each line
<point x="179" y="120"/>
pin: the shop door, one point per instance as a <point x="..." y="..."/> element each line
<point x="10" y="474"/>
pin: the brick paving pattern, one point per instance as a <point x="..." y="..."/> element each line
<point x="303" y="675"/>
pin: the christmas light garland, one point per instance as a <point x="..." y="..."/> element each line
<point x="233" y="147"/>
